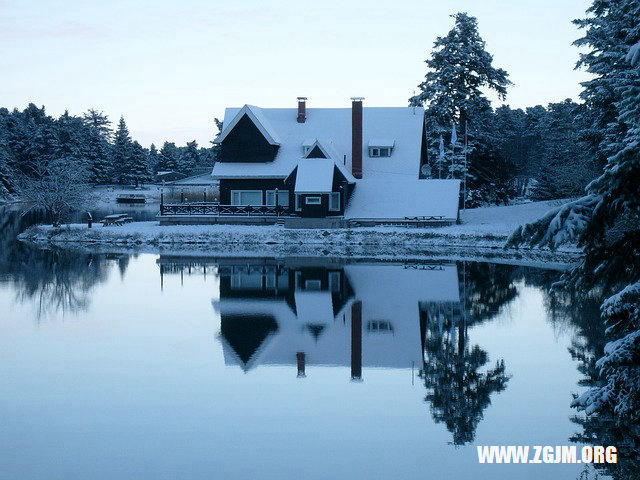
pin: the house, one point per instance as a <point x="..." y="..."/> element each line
<point x="360" y="163"/>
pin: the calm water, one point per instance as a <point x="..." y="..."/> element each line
<point x="115" y="366"/>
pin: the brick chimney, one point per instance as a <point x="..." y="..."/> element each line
<point x="356" y="136"/>
<point x="302" y="109"/>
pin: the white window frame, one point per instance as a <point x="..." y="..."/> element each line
<point x="315" y="200"/>
<point x="313" y="284"/>
<point x="334" y="197"/>
<point x="271" y="195"/>
<point x="377" y="151"/>
<point x="240" y="192"/>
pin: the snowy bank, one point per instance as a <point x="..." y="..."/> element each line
<point x="483" y="229"/>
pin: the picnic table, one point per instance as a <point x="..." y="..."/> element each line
<point x="117" y="219"/>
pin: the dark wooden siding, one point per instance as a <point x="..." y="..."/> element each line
<point x="245" y="143"/>
<point x="263" y="184"/>
<point x="316" y="153"/>
<point x="340" y="185"/>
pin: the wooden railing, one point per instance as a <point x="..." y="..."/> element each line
<point x="205" y="208"/>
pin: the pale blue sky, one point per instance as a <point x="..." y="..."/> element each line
<point x="170" y="67"/>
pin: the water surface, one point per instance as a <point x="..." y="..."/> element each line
<point x="157" y="366"/>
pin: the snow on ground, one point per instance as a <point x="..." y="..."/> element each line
<point x="500" y="221"/>
<point x="484" y="229"/>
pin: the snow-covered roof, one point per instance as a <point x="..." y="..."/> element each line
<point x="314" y="307"/>
<point x="398" y="197"/>
<point x="382" y="142"/>
<point x="195" y="181"/>
<point x="315" y="175"/>
<point x="258" y="118"/>
<point x="332" y="127"/>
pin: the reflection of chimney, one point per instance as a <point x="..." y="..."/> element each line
<point x="356" y="341"/>
<point x="356" y="136"/>
<point x="300" y="358"/>
<point x="302" y="109"/>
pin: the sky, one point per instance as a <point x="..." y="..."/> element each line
<point x="170" y="67"/>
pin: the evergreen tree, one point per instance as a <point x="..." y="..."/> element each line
<point x="154" y="159"/>
<point x="99" y="122"/>
<point x="459" y="68"/>
<point x="189" y="158"/>
<point x="169" y="155"/>
<point x="97" y="146"/>
<point x="122" y="145"/>
<point x="606" y="221"/>
<point x="138" y="169"/>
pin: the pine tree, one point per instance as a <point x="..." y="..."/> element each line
<point x="97" y="137"/>
<point x="189" y="158"/>
<point x="606" y="221"/>
<point x="459" y="68"/>
<point x="121" y="154"/>
<point x="168" y="158"/>
<point x="154" y="160"/>
<point x="138" y="169"/>
<point x="99" y="122"/>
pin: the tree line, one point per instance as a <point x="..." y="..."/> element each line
<point x="32" y="141"/>
<point x="541" y="152"/>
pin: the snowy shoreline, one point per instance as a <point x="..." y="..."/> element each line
<point x="245" y="240"/>
<point x="482" y="234"/>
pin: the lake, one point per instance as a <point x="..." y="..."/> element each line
<point x="128" y="366"/>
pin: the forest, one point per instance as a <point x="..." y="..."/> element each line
<point x="540" y="152"/>
<point x="31" y="140"/>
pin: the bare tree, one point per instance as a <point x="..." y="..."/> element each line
<point x="58" y="187"/>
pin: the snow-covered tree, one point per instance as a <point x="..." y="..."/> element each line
<point x="169" y="155"/>
<point x="97" y="147"/>
<point x="458" y="70"/>
<point x="122" y="146"/>
<point x="189" y="157"/>
<point x="57" y="186"/>
<point x="138" y="168"/>
<point x="154" y="159"/>
<point x="606" y="221"/>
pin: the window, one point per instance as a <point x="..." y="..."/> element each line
<point x="380" y="151"/>
<point x="334" y="202"/>
<point x="251" y="281"/>
<point x="312" y="285"/>
<point x="379" y="326"/>
<point x="298" y="207"/>
<point x="334" y="281"/>
<point x="313" y="200"/>
<point x="246" y="197"/>
<point x="283" y="197"/>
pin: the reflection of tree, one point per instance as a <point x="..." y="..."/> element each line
<point x="59" y="281"/>
<point x="582" y="313"/>
<point x="54" y="280"/>
<point x="488" y="287"/>
<point x="457" y="390"/>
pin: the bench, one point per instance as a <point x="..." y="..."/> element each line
<point x="118" y="219"/>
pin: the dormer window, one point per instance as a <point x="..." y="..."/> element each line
<point x="380" y="147"/>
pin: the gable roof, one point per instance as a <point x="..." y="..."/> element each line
<point x="315" y="176"/>
<point x="257" y="117"/>
<point x="332" y="128"/>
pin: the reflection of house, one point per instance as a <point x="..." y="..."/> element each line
<point x="357" y="315"/>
